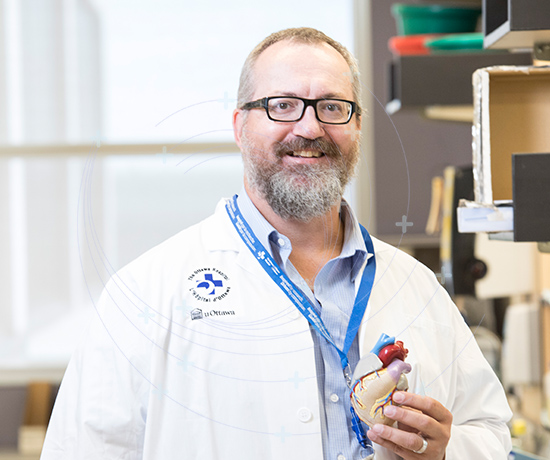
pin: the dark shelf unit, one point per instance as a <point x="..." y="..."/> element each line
<point x="411" y="148"/>
<point x="515" y="23"/>
<point x="441" y="79"/>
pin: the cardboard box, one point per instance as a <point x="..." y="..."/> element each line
<point x="511" y="115"/>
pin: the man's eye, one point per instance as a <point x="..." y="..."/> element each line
<point x="333" y="108"/>
<point x="284" y="106"/>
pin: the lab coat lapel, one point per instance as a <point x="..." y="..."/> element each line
<point x="222" y="236"/>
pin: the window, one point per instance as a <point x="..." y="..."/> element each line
<point x="160" y="78"/>
<point x="171" y="68"/>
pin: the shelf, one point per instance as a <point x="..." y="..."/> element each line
<point x="506" y="38"/>
<point x="512" y="24"/>
<point x="441" y="79"/>
<point x="461" y="113"/>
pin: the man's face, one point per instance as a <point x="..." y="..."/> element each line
<point x="299" y="168"/>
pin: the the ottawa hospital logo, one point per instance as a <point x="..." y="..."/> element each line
<point x="209" y="285"/>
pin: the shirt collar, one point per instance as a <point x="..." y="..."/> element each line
<point x="259" y="225"/>
<point x="354" y="244"/>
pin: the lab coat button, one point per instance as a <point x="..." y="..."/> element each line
<point x="304" y="415"/>
<point x="295" y="314"/>
<point x="334" y="397"/>
<point x="341" y="457"/>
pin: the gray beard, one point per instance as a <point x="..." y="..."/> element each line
<point x="304" y="192"/>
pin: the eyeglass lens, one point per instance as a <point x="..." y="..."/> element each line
<point x="291" y="109"/>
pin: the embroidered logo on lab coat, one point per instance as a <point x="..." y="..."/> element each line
<point x="209" y="285"/>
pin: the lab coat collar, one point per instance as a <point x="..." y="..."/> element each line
<point x="220" y="235"/>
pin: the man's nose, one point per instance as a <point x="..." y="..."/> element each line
<point x="308" y="126"/>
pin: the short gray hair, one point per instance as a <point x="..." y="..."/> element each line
<point x="305" y="35"/>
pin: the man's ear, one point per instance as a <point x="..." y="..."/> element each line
<point x="238" y="123"/>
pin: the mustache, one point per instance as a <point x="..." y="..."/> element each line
<point x="322" y="145"/>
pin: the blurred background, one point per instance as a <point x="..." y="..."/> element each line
<point x="115" y="133"/>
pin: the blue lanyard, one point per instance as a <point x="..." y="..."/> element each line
<point x="303" y="304"/>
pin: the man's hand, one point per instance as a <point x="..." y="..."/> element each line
<point x="418" y="417"/>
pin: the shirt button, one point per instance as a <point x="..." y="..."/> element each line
<point x="341" y="457"/>
<point x="334" y="397"/>
<point x="304" y="415"/>
<point x="281" y="242"/>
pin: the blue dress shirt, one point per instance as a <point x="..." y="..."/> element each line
<point x="334" y="297"/>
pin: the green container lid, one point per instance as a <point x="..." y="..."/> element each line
<point x="457" y="42"/>
<point x="434" y="19"/>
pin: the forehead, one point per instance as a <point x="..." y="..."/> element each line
<point x="305" y="70"/>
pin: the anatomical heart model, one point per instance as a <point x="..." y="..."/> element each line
<point x="377" y="377"/>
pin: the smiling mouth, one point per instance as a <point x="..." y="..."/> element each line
<point x="306" y="154"/>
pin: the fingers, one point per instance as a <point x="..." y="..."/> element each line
<point x="423" y="414"/>
<point x="404" y="427"/>
<point x="402" y="443"/>
<point x="416" y="422"/>
<point x="424" y="404"/>
<point x="419" y="418"/>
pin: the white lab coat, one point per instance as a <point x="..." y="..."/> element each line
<point x="148" y="382"/>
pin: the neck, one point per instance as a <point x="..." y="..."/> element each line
<point x="314" y="243"/>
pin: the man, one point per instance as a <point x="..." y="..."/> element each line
<point x="200" y="349"/>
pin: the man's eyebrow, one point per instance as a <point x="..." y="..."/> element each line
<point x="333" y="96"/>
<point x="324" y="96"/>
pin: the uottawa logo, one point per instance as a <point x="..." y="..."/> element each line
<point x="197" y="313"/>
<point x="209" y="285"/>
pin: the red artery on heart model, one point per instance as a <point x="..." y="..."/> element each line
<point x="377" y="376"/>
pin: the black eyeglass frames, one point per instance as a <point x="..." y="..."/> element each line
<point x="290" y="109"/>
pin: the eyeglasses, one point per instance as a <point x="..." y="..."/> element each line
<point x="291" y="109"/>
